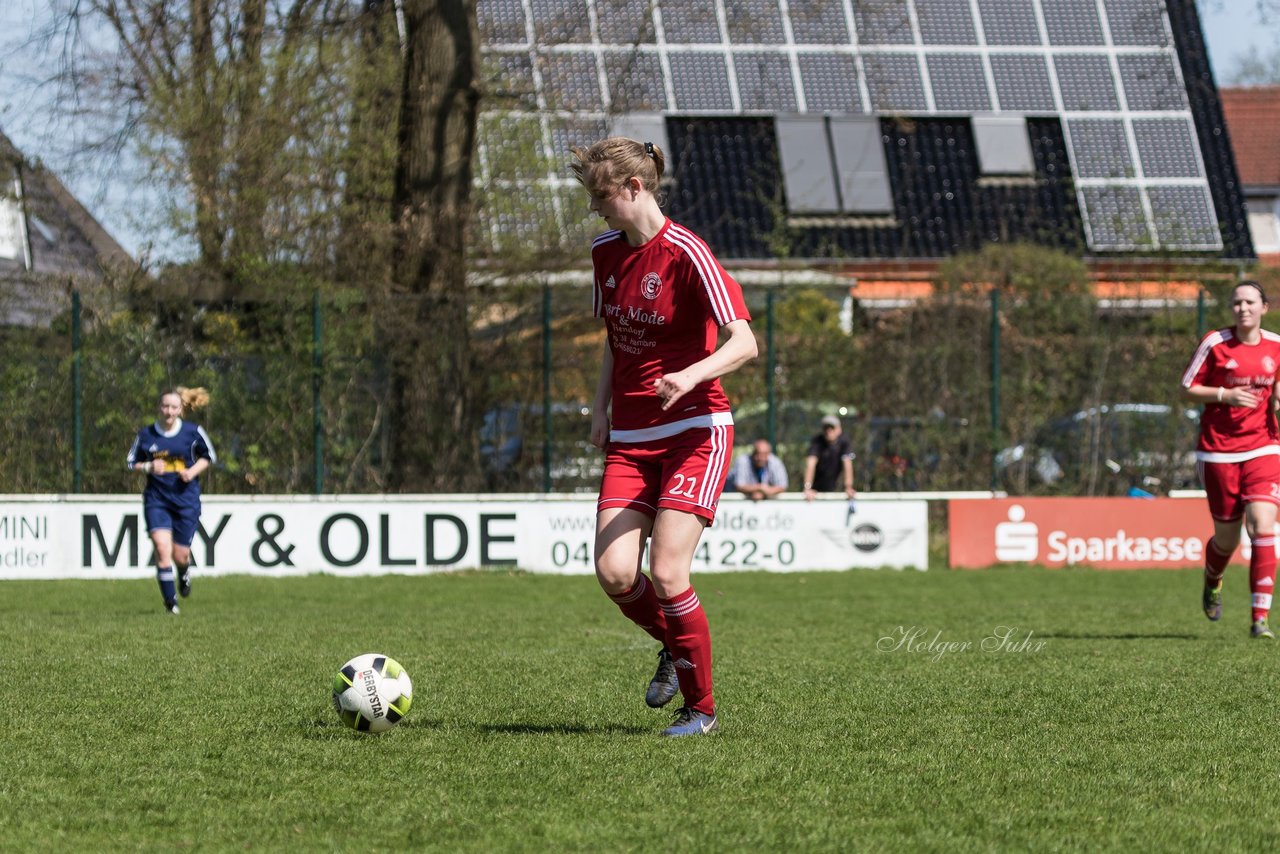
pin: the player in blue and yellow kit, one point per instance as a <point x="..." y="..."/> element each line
<point x="172" y="453"/>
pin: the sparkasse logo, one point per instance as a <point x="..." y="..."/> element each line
<point x="1017" y="541"/>
<point x="1101" y="532"/>
<point x="1121" y="548"/>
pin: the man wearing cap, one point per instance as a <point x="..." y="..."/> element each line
<point x="829" y="464"/>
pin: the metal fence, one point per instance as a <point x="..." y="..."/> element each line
<point x="963" y="390"/>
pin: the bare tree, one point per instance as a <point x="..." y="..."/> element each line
<point x="439" y="103"/>
<point x="1255" y="68"/>
<point x="317" y="136"/>
<point x="233" y="106"/>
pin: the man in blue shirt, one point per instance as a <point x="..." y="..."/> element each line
<point x="759" y="474"/>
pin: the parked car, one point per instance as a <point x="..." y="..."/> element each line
<point x="512" y="439"/>
<point x="903" y="454"/>
<point x="1106" y="450"/>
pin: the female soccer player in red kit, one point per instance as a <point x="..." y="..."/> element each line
<point x="1238" y="455"/>
<point x="659" y="413"/>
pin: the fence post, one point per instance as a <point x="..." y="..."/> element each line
<point x="995" y="384"/>
<point x="317" y="373"/>
<point x="77" y="393"/>
<point x="1200" y="314"/>
<point x="546" y="387"/>
<point x="770" y="366"/>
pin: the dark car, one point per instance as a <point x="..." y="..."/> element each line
<point x="1106" y="450"/>
<point x="905" y="454"/>
<point x="514" y="449"/>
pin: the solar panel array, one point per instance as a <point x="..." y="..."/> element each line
<point x="1107" y="69"/>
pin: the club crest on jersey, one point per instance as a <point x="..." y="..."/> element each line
<point x="1268" y="365"/>
<point x="651" y="286"/>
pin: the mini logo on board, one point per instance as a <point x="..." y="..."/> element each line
<point x="866" y="538"/>
<point x="651" y="286"/>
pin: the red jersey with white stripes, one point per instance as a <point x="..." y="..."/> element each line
<point x="1234" y="433"/>
<point x="662" y="304"/>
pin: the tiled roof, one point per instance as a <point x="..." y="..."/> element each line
<point x="63" y="236"/>
<point x="1253" y="120"/>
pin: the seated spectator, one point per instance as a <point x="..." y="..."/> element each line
<point x="759" y="474"/>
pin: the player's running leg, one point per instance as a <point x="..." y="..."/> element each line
<point x="1215" y="565"/>
<point x="675" y="537"/>
<point x="620" y="537"/>
<point x="182" y="562"/>
<point x="162" y="539"/>
<point x="1260" y="518"/>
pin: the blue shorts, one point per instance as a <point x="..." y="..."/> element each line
<point x="181" y="521"/>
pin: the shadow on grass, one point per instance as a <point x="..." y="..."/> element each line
<point x="564" y="729"/>
<point x="1124" y="636"/>
<point x="322" y="728"/>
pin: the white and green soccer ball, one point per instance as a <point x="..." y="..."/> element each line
<point x="372" y="692"/>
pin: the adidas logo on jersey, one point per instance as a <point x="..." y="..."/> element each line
<point x="610" y="283"/>
<point x="1231" y="365"/>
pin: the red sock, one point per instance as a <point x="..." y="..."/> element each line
<point x="640" y="606"/>
<point x="1262" y="574"/>
<point x="1215" y="562"/>
<point x="689" y="640"/>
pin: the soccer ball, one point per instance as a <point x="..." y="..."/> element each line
<point x="371" y="693"/>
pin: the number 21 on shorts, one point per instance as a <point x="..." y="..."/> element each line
<point x="678" y="488"/>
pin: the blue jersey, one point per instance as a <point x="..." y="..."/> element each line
<point x="179" y="448"/>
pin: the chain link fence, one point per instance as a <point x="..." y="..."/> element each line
<point x="1047" y="394"/>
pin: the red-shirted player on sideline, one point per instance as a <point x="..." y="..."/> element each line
<point x="1233" y="373"/>
<point x="664" y="299"/>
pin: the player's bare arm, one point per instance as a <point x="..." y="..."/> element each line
<point x="604" y="394"/>
<point x="1220" y="394"/>
<point x="738" y="349"/>
<point x="189" y="474"/>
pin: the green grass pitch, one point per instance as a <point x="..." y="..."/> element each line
<point x="1115" y="717"/>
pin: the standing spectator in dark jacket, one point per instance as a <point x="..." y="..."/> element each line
<point x="829" y="463"/>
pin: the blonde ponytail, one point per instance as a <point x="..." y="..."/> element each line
<point x="192" y="398"/>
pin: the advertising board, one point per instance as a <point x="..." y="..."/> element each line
<point x="105" y="536"/>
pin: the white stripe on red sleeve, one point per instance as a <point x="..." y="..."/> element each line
<point x="1202" y="352"/>
<point x="708" y="270"/>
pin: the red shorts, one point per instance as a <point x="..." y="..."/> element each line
<point x="1230" y="486"/>
<point x="684" y="472"/>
